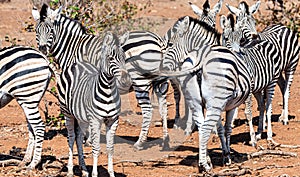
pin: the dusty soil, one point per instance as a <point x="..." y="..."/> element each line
<point x="180" y="160"/>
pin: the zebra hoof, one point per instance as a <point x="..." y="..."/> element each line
<point x="258" y="136"/>
<point x="227" y="160"/>
<point x="204" y="168"/>
<point x="165" y="144"/>
<point x="285" y="122"/>
<point x="187" y="133"/>
<point x="138" y="146"/>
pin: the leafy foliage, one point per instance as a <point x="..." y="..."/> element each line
<point x="282" y="12"/>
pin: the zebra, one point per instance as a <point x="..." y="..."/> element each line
<point x="92" y="97"/>
<point x="262" y="73"/>
<point x="25" y="75"/>
<point x="206" y="14"/>
<point x="284" y="39"/>
<point x="67" y="51"/>
<point x="140" y="47"/>
<point x="225" y="81"/>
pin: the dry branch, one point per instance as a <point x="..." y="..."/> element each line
<point x="272" y="152"/>
<point x="10" y="161"/>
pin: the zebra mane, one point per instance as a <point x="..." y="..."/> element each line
<point x="43" y="12"/>
<point x="231" y="18"/>
<point x="205" y="7"/>
<point x="204" y="25"/>
<point x="83" y="28"/>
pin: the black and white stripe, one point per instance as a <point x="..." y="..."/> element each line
<point x="206" y="14"/>
<point x="263" y="59"/>
<point x="92" y="97"/>
<point x="225" y="83"/>
<point x="68" y="43"/>
<point x="223" y="78"/>
<point x="285" y="41"/>
<point x="24" y="76"/>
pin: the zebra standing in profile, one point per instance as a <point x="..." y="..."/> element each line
<point x="92" y="97"/>
<point x="24" y="76"/>
<point x="225" y="81"/>
<point x="78" y="47"/>
<point x="285" y="41"/>
<point x="263" y="60"/>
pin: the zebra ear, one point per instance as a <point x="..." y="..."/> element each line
<point x="184" y="26"/>
<point x="53" y="14"/>
<point x="35" y="14"/>
<point x="253" y="9"/>
<point x="233" y="10"/>
<point x="123" y="39"/>
<point x="223" y="21"/>
<point x="196" y="9"/>
<point x="217" y="7"/>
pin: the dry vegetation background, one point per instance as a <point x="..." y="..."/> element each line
<point x="17" y="27"/>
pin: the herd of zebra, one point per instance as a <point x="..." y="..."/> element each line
<point x="216" y="72"/>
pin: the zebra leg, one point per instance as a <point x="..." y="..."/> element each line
<point x="79" y="133"/>
<point x="95" y="135"/>
<point x="144" y="102"/>
<point x="191" y="90"/>
<point x="221" y="133"/>
<point x="30" y="147"/>
<point x="248" y="114"/>
<point x="163" y="110"/>
<point x="110" y="134"/>
<point x="228" y="130"/>
<point x="177" y="96"/>
<point x="235" y="116"/>
<point x="261" y="121"/>
<point x="38" y="128"/>
<point x="70" y="124"/>
<point x="284" y="117"/>
<point x="213" y="115"/>
<point x="270" y="95"/>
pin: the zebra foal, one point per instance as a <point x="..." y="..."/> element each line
<point x="92" y="97"/>
<point x="24" y="76"/>
<point x="81" y="47"/>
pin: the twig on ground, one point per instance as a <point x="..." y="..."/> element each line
<point x="10" y="161"/>
<point x="272" y="152"/>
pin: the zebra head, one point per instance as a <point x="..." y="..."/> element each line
<point x="175" y="53"/>
<point x="44" y="28"/>
<point x="232" y="36"/>
<point x="244" y="11"/>
<point x="112" y="58"/>
<point x="207" y="15"/>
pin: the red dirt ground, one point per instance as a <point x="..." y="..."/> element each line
<point x="181" y="160"/>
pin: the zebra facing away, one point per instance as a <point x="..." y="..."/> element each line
<point x="285" y="40"/>
<point x="92" y="97"/>
<point x="24" y="76"/>
<point x="224" y="81"/>
<point x="263" y="60"/>
<point x="86" y="49"/>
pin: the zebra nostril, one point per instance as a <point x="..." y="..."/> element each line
<point x="43" y="49"/>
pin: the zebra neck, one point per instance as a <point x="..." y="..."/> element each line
<point x="69" y="42"/>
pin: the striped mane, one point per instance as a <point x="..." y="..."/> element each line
<point x="204" y="25"/>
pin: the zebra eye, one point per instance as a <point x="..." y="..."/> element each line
<point x="170" y="44"/>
